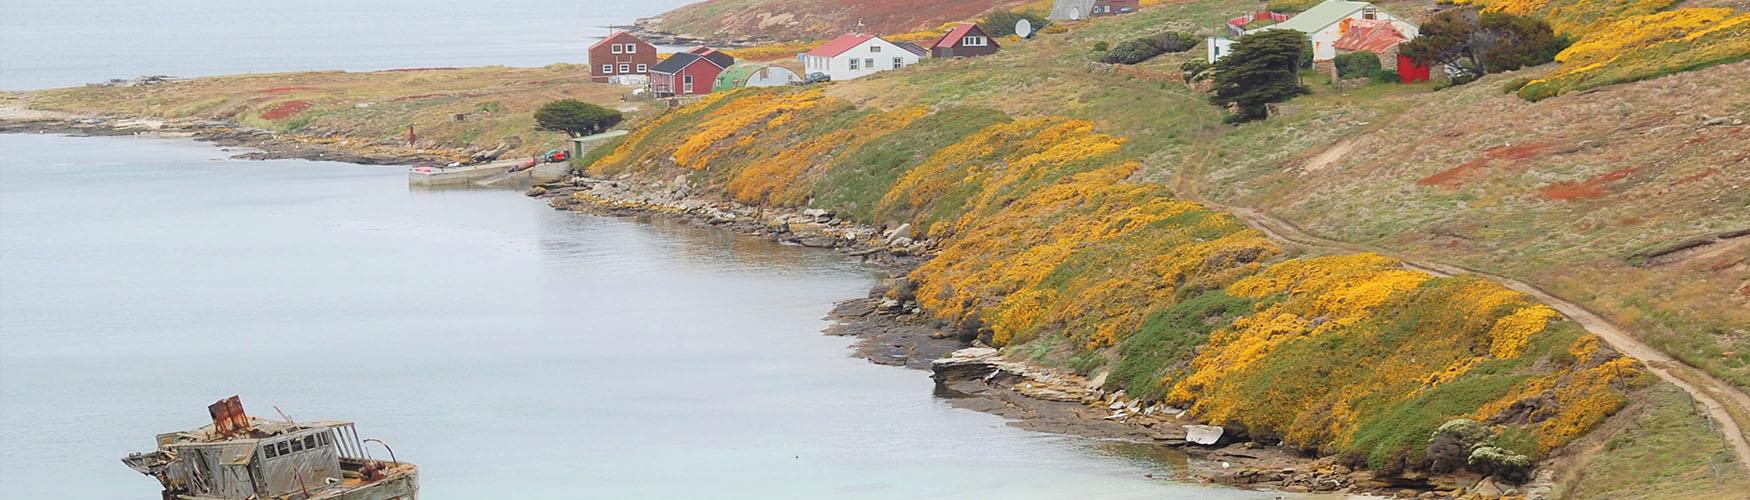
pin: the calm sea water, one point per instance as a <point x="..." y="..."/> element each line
<point x="73" y="42"/>
<point x="510" y="350"/>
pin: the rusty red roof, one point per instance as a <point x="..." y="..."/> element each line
<point x="953" y="37"/>
<point x="1369" y="35"/>
<point x="840" y="45"/>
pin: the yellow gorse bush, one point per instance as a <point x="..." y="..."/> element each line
<point x="1045" y="233"/>
<point x="1621" y="41"/>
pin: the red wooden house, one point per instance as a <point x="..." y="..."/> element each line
<point x="620" y="54"/>
<point x="965" y="40"/>
<point x="688" y="73"/>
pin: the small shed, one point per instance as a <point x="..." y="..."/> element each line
<point x="693" y="72"/>
<point x="747" y="75"/>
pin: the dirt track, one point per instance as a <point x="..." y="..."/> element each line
<point x="1712" y="393"/>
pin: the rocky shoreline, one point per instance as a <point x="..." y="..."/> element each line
<point x="267" y="145"/>
<point x="893" y="331"/>
<point x="890" y="328"/>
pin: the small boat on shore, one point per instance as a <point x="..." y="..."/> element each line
<point x="239" y="457"/>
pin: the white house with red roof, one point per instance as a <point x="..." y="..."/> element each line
<point x="857" y="55"/>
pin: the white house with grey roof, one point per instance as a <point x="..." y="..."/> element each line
<point x="1323" y="25"/>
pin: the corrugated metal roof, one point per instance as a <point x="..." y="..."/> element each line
<point x="1370" y="35"/>
<point x="840" y="45"/>
<point x="914" y="48"/>
<point x="1318" y="17"/>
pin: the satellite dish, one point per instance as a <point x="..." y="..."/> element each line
<point x="1023" y="28"/>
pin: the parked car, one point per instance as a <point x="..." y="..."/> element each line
<point x="816" y="77"/>
<point x="556" y="156"/>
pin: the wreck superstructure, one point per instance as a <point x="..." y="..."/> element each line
<point x="239" y="457"/>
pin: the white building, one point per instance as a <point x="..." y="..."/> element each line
<point x="854" y="56"/>
<point x="1323" y="24"/>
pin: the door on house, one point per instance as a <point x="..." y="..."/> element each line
<point x="687" y="84"/>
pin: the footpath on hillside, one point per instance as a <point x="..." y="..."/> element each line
<point x="1726" y="404"/>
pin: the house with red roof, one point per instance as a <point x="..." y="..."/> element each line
<point x="693" y="72"/>
<point x="856" y="55"/>
<point x="620" y="57"/>
<point x="1380" y="38"/>
<point x="965" y="40"/>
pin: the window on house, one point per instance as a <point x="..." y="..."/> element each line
<point x="688" y="84"/>
<point x="643" y="68"/>
<point x="854" y="64"/>
<point x="285" y="448"/>
<point x="975" y="41"/>
<point x="874" y="48"/>
<point x="297" y="445"/>
<point x="869" y="63"/>
<point x="310" y="442"/>
<point x="631" y="48"/>
<point x="607" y="69"/>
<point x="322" y="439"/>
<point x="617" y="49"/>
<point x="625" y="68"/>
<point x="270" y="451"/>
<point x="897" y="62"/>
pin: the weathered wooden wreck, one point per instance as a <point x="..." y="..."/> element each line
<point x="245" y="458"/>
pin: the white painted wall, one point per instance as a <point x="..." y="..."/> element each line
<point x="1323" y="40"/>
<point x="880" y="52"/>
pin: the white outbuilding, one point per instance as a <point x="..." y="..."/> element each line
<point x="856" y="55"/>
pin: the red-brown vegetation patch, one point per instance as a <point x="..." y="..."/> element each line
<point x="1586" y="189"/>
<point x="1705" y="174"/>
<point x="285" y="110"/>
<point x="286" y="89"/>
<point x="1454" y="177"/>
<point x="435" y="95"/>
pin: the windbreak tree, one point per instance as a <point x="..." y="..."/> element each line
<point x="1489" y="42"/>
<point x="576" y="118"/>
<point x="1263" y="68"/>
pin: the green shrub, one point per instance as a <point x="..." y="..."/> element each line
<point x="1137" y="50"/>
<point x="1002" y="23"/>
<point x="1451" y="446"/>
<point x="1356" y="64"/>
<point x="1101" y="46"/>
<point x="1502" y="463"/>
<point x="576" y="118"/>
<point x="1387" y="76"/>
<point x="1513" y="85"/>
<point x="1194" y="69"/>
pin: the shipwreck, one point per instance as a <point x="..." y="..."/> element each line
<point x="246" y="458"/>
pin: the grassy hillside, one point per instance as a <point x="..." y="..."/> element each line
<point x="1051" y="240"/>
<point x="1564" y="193"/>
<point x="1057" y="187"/>
<point x="816" y="19"/>
<point x="498" y="103"/>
